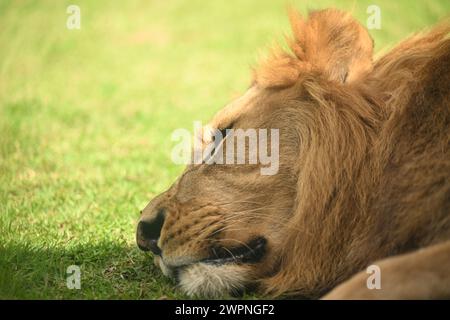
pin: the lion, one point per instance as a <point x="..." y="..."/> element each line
<point x="363" y="177"/>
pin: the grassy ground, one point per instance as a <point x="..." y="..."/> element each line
<point x="86" y="117"/>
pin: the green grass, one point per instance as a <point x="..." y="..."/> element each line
<point x="86" y="117"/>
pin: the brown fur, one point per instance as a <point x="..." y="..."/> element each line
<point x="364" y="163"/>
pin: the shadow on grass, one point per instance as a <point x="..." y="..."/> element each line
<point x="108" y="271"/>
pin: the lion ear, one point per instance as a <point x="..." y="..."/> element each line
<point x="332" y="42"/>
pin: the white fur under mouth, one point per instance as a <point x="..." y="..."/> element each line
<point x="207" y="280"/>
<point x="212" y="280"/>
<point x="225" y="273"/>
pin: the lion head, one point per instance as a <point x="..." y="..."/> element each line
<point x="221" y="228"/>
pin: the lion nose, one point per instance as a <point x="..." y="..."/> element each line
<point x="148" y="232"/>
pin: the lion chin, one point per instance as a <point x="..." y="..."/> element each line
<point x="213" y="281"/>
<point x="209" y="280"/>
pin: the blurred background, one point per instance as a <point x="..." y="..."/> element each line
<point x="86" y="116"/>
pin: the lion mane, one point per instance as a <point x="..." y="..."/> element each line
<point x="379" y="152"/>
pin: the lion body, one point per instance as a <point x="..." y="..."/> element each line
<point x="366" y="169"/>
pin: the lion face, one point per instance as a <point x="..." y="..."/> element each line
<point x="223" y="227"/>
<point x="217" y="228"/>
